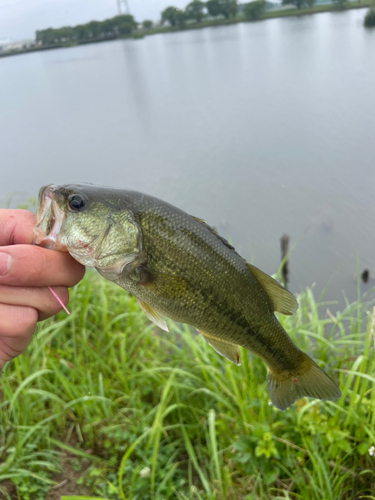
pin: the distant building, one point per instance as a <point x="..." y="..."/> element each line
<point x="3" y="42"/>
<point x="8" y="45"/>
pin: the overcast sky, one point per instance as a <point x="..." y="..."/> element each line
<point x="19" y="19"/>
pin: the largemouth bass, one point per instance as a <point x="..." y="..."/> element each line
<point x="177" y="266"/>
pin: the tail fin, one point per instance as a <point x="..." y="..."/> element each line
<point x="307" y="380"/>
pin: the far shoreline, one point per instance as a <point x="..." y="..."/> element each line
<point x="317" y="9"/>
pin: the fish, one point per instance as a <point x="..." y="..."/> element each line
<point x="177" y="266"/>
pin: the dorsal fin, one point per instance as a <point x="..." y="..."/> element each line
<point x="226" y="349"/>
<point x="282" y="300"/>
<point x="213" y="231"/>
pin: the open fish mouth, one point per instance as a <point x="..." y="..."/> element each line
<point x="49" y="220"/>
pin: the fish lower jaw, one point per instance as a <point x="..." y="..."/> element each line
<point x="49" y="242"/>
<point x="49" y="224"/>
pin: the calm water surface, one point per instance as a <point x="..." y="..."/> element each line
<point x="260" y="129"/>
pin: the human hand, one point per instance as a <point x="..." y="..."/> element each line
<point x="25" y="273"/>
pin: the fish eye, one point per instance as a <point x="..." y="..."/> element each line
<point x="76" y="202"/>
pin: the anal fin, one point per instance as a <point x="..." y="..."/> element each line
<point x="226" y="349"/>
<point x="153" y="315"/>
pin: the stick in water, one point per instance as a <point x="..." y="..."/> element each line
<point x="58" y="298"/>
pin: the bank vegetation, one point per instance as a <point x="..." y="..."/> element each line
<point x="104" y="404"/>
<point x="197" y="14"/>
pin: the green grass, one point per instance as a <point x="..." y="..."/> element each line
<point x="136" y="413"/>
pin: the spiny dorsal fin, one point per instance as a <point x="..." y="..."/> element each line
<point x="213" y="231"/>
<point x="282" y="300"/>
<point x="229" y="351"/>
<point x="202" y="221"/>
<point x="153" y="315"/>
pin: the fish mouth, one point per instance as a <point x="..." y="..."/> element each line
<point x="49" y="220"/>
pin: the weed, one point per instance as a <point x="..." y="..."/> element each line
<point x="161" y="415"/>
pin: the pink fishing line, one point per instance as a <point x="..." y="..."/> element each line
<point x="58" y="298"/>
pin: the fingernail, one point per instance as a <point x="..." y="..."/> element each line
<point x="5" y="260"/>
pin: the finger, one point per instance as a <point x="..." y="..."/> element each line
<point x="40" y="298"/>
<point x="36" y="266"/>
<point x="17" y="325"/>
<point x="16" y="227"/>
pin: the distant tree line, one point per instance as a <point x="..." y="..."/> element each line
<point x="194" y="11"/>
<point x="197" y="9"/>
<point x="94" y="30"/>
<point x="126" y="25"/>
<point x="369" y="20"/>
<point x="253" y="10"/>
<point x="299" y="3"/>
<point x="340" y="4"/>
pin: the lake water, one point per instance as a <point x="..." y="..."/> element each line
<point x="261" y="129"/>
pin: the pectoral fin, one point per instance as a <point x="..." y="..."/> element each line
<point x="153" y="315"/>
<point x="112" y="272"/>
<point x="229" y="351"/>
<point x="166" y="286"/>
<point x="282" y="300"/>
